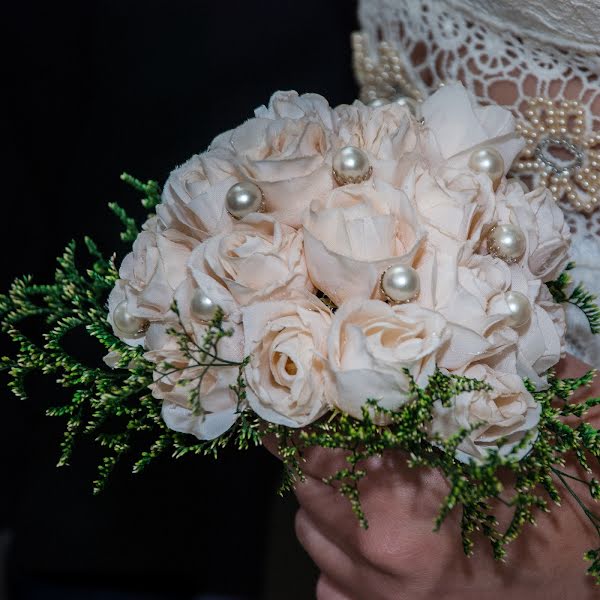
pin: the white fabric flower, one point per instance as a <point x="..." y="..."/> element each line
<point x="193" y="198"/>
<point x="149" y="276"/>
<point x="258" y="258"/>
<point x="507" y="411"/>
<point x="176" y="375"/>
<point x="457" y="207"/>
<point x="371" y="343"/>
<point x="287" y="344"/>
<point x="354" y="234"/>
<point x="455" y="126"/>
<point x="286" y="151"/>
<point x="546" y="232"/>
<point x="386" y="133"/>
<point x="540" y="342"/>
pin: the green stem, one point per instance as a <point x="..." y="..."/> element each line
<point x="594" y="519"/>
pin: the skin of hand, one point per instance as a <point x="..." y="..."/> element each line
<point x="399" y="557"/>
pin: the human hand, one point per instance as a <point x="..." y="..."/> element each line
<point x="399" y="557"/>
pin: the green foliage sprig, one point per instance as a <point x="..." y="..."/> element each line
<point x="151" y="197"/>
<point x="201" y="357"/>
<point x="110" y="405"/>
<point x="579" y="297"/>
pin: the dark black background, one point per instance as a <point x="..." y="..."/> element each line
<point x="89" y="89"/>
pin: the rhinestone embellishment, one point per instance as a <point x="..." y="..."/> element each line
<point x="559" y="165"/>
<point x="560" y="153"/>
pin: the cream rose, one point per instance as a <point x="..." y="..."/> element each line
<point x="507" y="411"/>
<point x="457" y="206"/>
<point x="193" y="198"/>
<point x="371" y="343"/>
<point x="258" y="258"/>
<point x="540" y="342"/>
<point x="386" y="133"/>
<point x="353" y="235"/>
<point x="287" y="344"/>
<point x="286" y="151"/>
<point x="149" y="276"/>
<point x="542" y="221"/>
<point x="455" y="126"/>
<point x="176" y="377"/>
<point x="291" y="105"/>
<point x="464" y="295"/>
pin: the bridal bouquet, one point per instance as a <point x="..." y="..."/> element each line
<point x="359" y="277"/>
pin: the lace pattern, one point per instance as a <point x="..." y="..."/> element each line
<point x="436" y="43"/>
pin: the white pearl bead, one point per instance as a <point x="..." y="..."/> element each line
<point x="125" y="322"/>
<point x="488" y="160"/>
<point x="243" y="198"/>
<point x="519" y="309"/>
<point x="400" y="283"/>
<point x="202" y="307"/>
<point x="377" y="102"/>
<point x="507" y="241"/>
<point x="410" y="103"/>
<point x="351" y="165"/>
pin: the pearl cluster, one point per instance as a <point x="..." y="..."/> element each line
<point x="561" y="124"/>
<point x="382" y="79"/>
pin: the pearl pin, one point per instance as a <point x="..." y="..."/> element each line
<point x="519" y="309"/>
<point x="243" y="198"/>
<point x="488" y="160"/>
<point x="202" y="307"/>
<point x="351" y="165"/>
<point x="127" y="323"/>
<point x="400" y="283"/>
<point x="506" y="241"/>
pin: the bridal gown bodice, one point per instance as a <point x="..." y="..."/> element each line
<point x="544" y="49"/>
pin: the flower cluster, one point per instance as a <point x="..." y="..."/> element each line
<point x="352" y="250"/>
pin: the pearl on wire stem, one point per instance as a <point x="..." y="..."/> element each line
<point x="243" y="198"/>
<point x="202" y="306"/>
<point x="519" y="309"/>
<point x="351" y="165"/>
<point x="127" y="323"/>
<point x="507" y="241"/>
<point x="400" y="283"/>
<point x="488" y="160"/>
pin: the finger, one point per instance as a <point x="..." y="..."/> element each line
<point x="397" y="529"/>
<point x="331" y="560"/>
<point x="351" y="578"/>
<point x="327" y="590"/>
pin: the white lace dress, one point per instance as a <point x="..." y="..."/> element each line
<point x="542" y="57"/>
